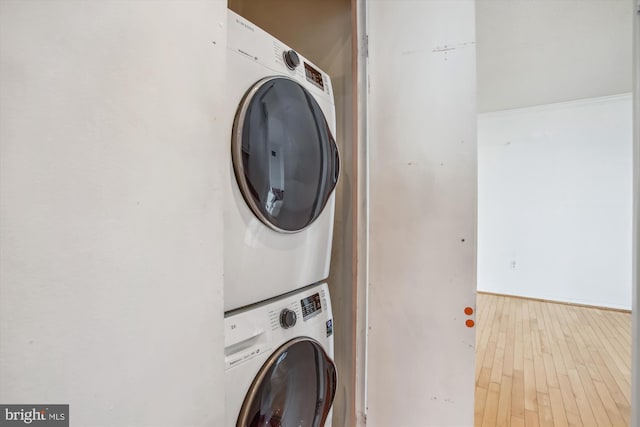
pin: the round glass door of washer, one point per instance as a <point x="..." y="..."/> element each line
<point x="284" y="156"/>
<point x="295" y="387"/>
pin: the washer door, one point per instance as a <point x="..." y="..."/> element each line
<point x="284" y="156"/>
<point x="295" y="387"/>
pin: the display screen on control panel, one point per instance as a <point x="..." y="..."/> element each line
<point x="314" y="76"/>
<point x="310" y="306"/>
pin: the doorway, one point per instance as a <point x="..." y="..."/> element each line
<point x="554" y="212"/>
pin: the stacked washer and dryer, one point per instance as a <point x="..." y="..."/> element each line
<point x="279" y="368"/>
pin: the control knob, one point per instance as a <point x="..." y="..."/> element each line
<point x="287" y="318"/>
<point x="291" y="59"/>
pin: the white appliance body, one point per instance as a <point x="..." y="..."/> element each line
<point x="286" y="372"/>
<point x="262" y="262"/>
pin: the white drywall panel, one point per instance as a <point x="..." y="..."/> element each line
<point x="422" y="133"/>
<point x="110" y="209"/>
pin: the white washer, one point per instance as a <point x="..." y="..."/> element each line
<point x="285" y="165"/>
<point x="279" y="368"/>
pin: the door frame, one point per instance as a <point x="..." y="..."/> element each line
<point x="635" y="313"/>
<point x="360" y="217"/>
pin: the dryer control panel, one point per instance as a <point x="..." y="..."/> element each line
<point x="313" y="75"/>
<point x="256" y="45"/>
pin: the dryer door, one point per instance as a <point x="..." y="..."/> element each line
<point x="284" y="156"/>
<point x="295" y="387"/>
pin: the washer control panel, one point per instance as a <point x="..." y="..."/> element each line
<point x="288" y="318"/>
<point x="254" y="331"/>
<point x="310" y="306"/>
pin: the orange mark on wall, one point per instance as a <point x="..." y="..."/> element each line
<point x="470" y="323"/>
<point x="468" y="311"/>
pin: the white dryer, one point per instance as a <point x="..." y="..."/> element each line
<point x="278" y="362"/>
<point x="280" y="193"/>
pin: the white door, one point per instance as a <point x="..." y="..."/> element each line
<point x="422" y="142"/>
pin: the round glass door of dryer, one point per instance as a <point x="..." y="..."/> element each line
<point x="295" y="387"/>
<point x="284" y="156"/>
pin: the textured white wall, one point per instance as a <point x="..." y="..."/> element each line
<point x="554" y="202"/>
<point x="541" y="52"/>
<point x="110" y="213"/>
<point x="422" y="134"/>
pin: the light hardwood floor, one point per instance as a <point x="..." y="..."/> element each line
<point x="547" y="364"/>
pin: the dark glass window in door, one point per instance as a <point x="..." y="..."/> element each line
<point x="295" y="387"/>
<point x="284" y="155"/>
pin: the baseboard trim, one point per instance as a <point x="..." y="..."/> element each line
<point x="599" y="307"/>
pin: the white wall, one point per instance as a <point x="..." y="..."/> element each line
<point x="422" y="134"/>
<point x="542" y="52"/>
<point x="554" y="202"/>
<point x="110" y="213"/>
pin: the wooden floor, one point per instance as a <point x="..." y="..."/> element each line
<point x="547" y="364"/>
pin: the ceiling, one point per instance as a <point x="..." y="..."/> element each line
<point x="534" y="52"/>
